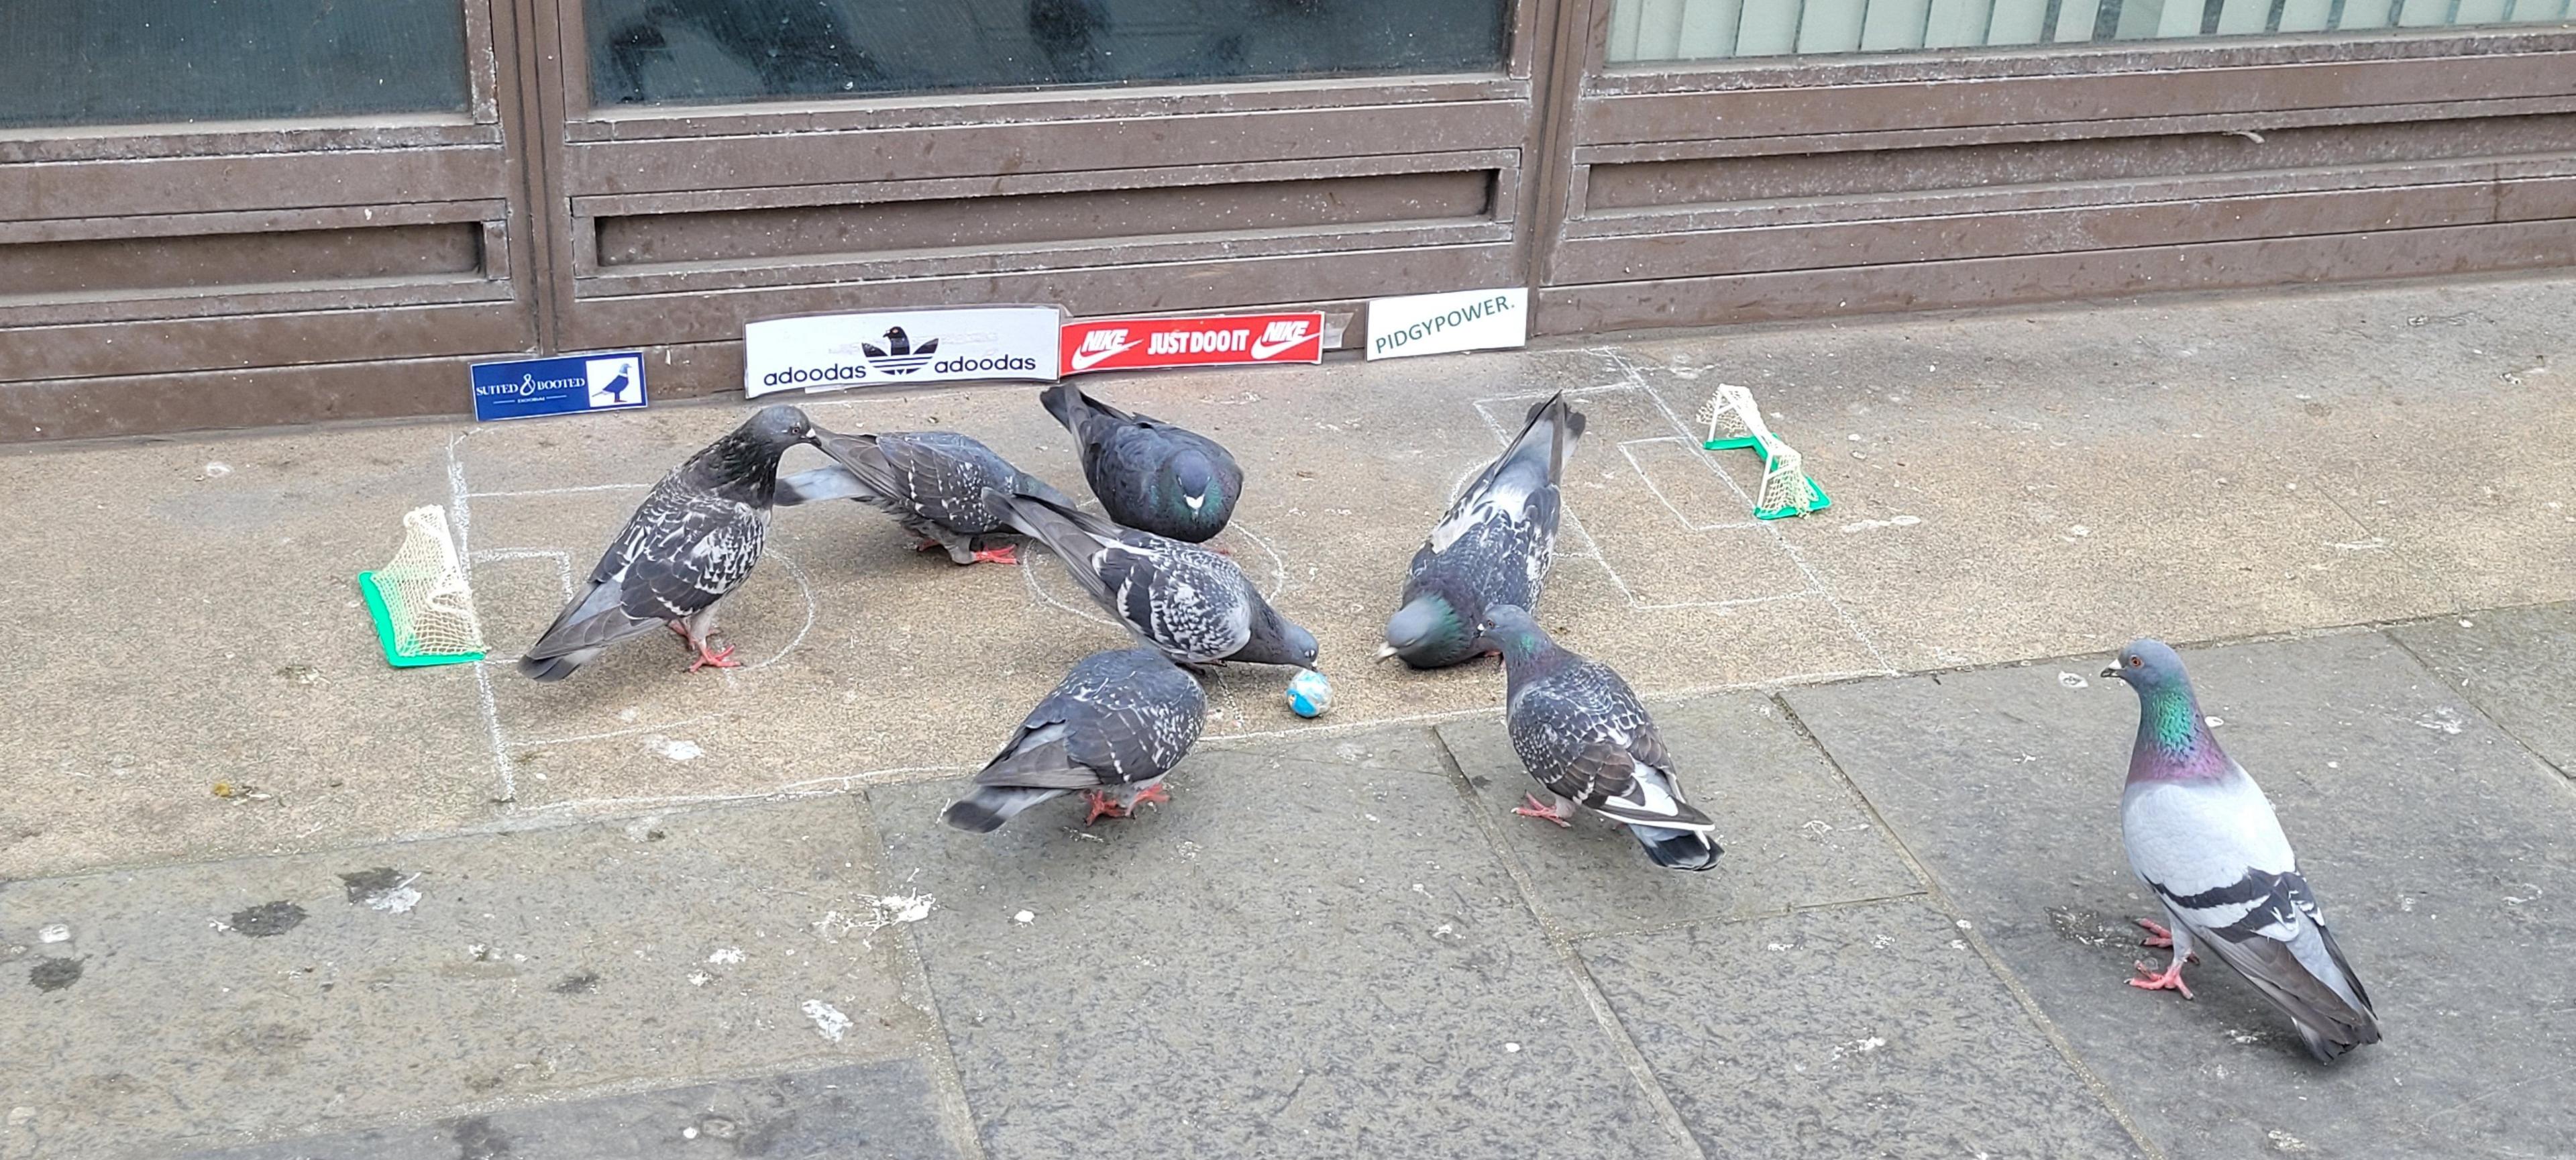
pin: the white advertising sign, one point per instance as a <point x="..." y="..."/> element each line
<point x="1442" y="323"/>
<point x="829" y="352"/>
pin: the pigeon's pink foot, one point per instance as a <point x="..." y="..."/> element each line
<point x="1157" y="795"/>
<point x="2157" y="935"/>
<point x="1221" y="551"/>
<point x="1534" y="808"/>
<point x="1102" y="807"/>
<point x="720" y="660"/>
<point x="929" y="546"/>
<point x="1002" y="555"/>
<point x="2169" y="979"/>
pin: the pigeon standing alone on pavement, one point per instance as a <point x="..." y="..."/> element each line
<point x="693" y="540"/>
<point x="1115" y="725"/>
<point x="1581" y="732"/>
<point x="1492" y="548"/>
<point x="1188" y="601"/>
<point x="2204" y="838"/>
<point x="934" y="482"/>
<point x="1149" y="475"/>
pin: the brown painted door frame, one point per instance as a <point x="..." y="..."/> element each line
<point x="1793" y="187"/>
<point x="173" y="276"/>
<point x="671" y="227"/>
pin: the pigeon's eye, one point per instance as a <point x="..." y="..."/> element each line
<point x="2135" y="662"/>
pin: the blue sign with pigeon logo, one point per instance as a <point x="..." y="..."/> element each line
<point x="558" y="386"/>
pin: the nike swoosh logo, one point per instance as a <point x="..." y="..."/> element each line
<point x="1084" y="360"/>
<point x="1263" y="350"/>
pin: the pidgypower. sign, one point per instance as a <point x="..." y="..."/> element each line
<point x="1127" y="344"/>
<point x="827" y="352"/>
<point x="527" y="388"/>
<point x="1441" y="323"/>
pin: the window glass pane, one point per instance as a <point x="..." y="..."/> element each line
<point x="735" y="50"/>
<point x="1670" y="30"/>
<point x="112" y="62"/>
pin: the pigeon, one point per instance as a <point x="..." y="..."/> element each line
<point x="694" y="539"/>
<point x="933" y="481"/>
<point x="1113" y="727"/>
<point x="1149" y="474"/>
<point x="1580" y="731"/>
<point x="2203" y="836"/>
<point x="1188" y="601"/>
<point x="1492" y="548"/>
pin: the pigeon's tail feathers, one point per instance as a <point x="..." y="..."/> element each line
<point x="1569" y="418"/>
<point x="1678" y="849"/>
<point x="1652" y="799"/>
<point x="2307" y="978"/>
<point x="872" y="476"/>
<point x="1032" y="485"/>
<point x="1070" y="406"/>
<point x="1052" y="520"/>
<point x="984" y="810"/>
<point x="819" y="484"/>
<point x="556" y="668"/>
<point x="593" y="620"/>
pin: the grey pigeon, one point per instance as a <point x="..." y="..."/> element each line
<point x="1113" y="727"/>
<point x="1188" y="601"/>
<point x="693" y="540"/>
<point x="2203" y="836"/>
<point x="934" y="482"/>
<point x="1149" y="474"/>
<point x="1492" y="548"/>
<point x="1579" y="730"/>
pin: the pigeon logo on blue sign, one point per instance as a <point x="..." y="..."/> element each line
<point x="527" y="388"/>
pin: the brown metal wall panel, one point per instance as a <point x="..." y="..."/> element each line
<point x="751" y="235"/>
<point x="1658" y="184"/>
<point x="1213" y="139"/>
<point x="1807" y="294"/>
<point x="94" y="189"/>
<point x="193" y="344"/>
<point x="121" y="265"/>
<point x="1768" y="112"/>
<point x="1887" y="242"/>
<point x="262" y="397"/>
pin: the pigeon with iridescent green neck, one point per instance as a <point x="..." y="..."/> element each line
<point x="1580" y="731"/>
<point x="1492" y="548"/>
<point x="2204" y="838"/>
<point x="1149" y="475"/>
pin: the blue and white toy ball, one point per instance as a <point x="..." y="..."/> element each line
<point x="1309" y="693"/>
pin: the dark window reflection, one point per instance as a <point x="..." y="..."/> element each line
<point x="112" y="62"/>
<point x="735" y="50"/>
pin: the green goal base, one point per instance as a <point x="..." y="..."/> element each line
<point x="384" y="619"/>
<point x="1784" y="511"/>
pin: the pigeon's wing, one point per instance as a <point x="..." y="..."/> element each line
<point x="1584" y="736"/>
<point x="944" y="475"/>
<point x="2215" y="855"/>
<point x="1118" y="718"/>
<point x="1190" y="602"/>
<point x="1498" y="537"/>
<point x="683" y="550"/>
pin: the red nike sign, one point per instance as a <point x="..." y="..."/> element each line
<point x="1129" y="344"/>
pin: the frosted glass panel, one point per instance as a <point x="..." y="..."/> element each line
<point x="119" y="62"/>
<point x="1644" y="31"/>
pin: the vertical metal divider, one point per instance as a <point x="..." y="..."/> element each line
<point x="1570" y="53"/>
<point x="538" y="96"/>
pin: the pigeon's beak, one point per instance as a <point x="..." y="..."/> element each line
<point x="1384" y="651"/>
<point x="2112" y="672"/>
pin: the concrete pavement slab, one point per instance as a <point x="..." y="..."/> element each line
<point x="235" y="1001"/>
<point x="868" y="1111"/>
<point x="1793" y="835"/>
<point x="2517" y="665"/>
<point x="2436" y="845"/>
<point x="1871" y="1030"/>
<point x="1310" y="952"/>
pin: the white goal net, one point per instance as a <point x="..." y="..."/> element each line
<point x="428" y="604"/>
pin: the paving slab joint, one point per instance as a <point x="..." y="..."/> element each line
<point x="1561" y="944"/>
<point x="2566" y="776"/>
<point x="956" y="1110"/>
<point x="1976" y="939"/>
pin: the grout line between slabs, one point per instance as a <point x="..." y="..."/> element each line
<point x="1562" y="945"/>
<point x="956" y="1111"/>
<point x="2566" y="776"/>
<point x="1976" y="937"/>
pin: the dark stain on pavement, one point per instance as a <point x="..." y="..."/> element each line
<point x="366" y="885"/>
<point x="268" y="919"/>
<point x="477" y="1139"/>
<point x="54" y="974"/>
<point x="585" y="983"/>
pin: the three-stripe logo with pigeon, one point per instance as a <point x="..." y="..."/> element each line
<point x="1214" y="340"/>
<point x="898" y="356"/>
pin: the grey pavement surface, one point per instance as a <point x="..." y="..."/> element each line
<point x="262" y="897"/>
